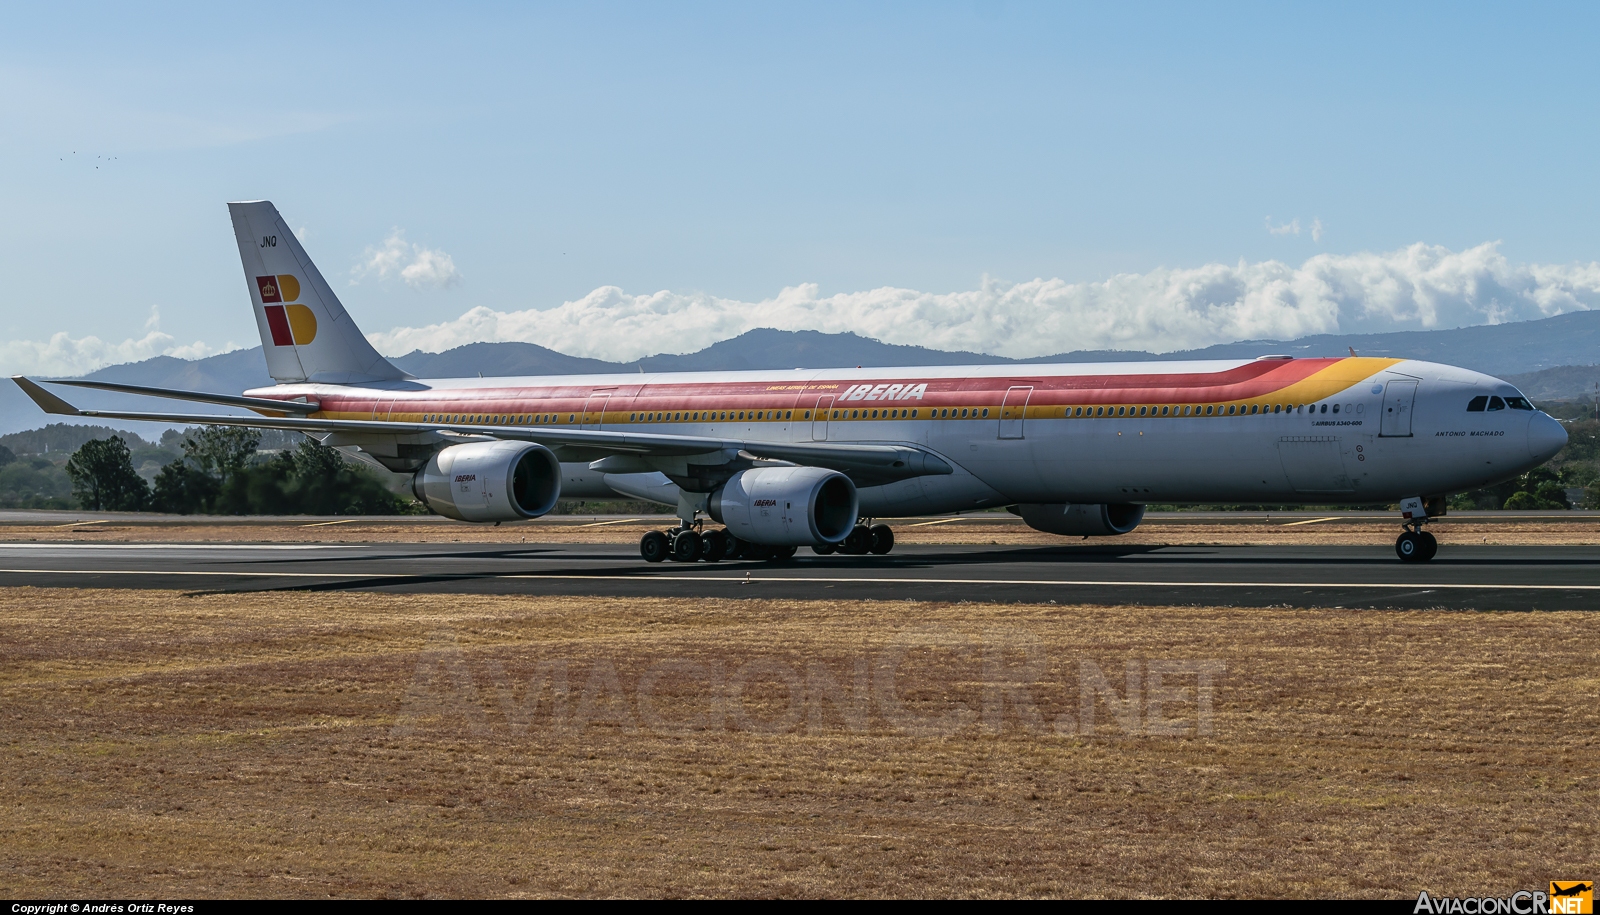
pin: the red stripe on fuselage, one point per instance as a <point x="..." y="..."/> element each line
<point x="1251" y="380"/>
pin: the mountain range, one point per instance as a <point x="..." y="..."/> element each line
<point x="1549" y="359"/>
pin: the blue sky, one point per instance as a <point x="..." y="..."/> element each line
<point x="721" y="154"/>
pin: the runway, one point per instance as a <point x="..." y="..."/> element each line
<point x="1474" y="577"/>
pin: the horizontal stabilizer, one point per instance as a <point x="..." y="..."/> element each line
<point x="47" y="401"/>
<point x="228" y="400"/>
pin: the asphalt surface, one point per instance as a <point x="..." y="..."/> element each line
<point x="1509" y="578"/>
<point x="64" y="518"/>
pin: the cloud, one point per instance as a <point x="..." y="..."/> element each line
<point x="418" y="267"/>
<point x="430" y="268"/>
<point x="1420" y="286"/>
<point x="1292" y="227"/>
<point x="64" y="355"/>
<point x="1316" y="230"/>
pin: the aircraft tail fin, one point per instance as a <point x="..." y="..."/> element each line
<point x="305" y="332"/>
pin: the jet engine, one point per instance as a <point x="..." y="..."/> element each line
<point x="1078" y="519"/>
<point x="490" y="481"/>
<point x="787" y="506"/>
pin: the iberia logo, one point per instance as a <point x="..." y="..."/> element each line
<point x="290" y="323"/>
<point x="1571" y="897"/>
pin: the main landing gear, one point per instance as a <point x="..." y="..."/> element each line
<point x="876" y="539"/>
<point x="687" y="544"/>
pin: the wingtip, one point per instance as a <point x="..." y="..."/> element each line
<point x="47" y="401"/>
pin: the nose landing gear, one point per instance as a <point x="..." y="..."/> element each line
<point x="1416" y="544"/>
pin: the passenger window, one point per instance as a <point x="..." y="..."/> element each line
<point x="913" y="414"/>
<point x="1324" y="408"/>
<point x="985" y="411"/>
<point x="1518" y="403"/>
<point x="1496" y="403"/>
<point x="1335" y="408"/>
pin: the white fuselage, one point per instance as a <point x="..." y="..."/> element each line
<point x="1327" y="431"/>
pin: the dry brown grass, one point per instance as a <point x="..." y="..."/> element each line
<point x="1003" y="530"/>
<point x="371" y="744"/>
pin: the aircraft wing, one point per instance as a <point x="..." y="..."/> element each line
<point x="229" y="400"/>
<point x="868" y="464"/>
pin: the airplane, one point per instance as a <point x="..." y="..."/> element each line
<point x="819" y="457"/>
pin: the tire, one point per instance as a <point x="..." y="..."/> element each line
<point x="730" y="545"/>
<point x="747" y="550"/>
<point x="859" y="541"/>
<point x="712" y="546"/>
<point x="1430" y="546"/>
<point x="882" y="539"/>
<point x="780" y="553"/>
<point x="1409" y="547"/>
<point x="685" y="547"/>
<point x="824" y="549"/>
<point x="653" y="546"/>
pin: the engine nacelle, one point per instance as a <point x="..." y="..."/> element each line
<point x="1083" y="520"/>
<point x="787" y="506"/>
<point x="490" y="481"/>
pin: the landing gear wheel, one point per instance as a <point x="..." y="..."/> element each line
<point x="712" y="546"/>
<point x="858" y="542"/>
<point x="1413" y="547"/>
<point x="1430" y="545"/>
<point x="825" y="549"/>
<point x="882" y="539"/>
<point x="685" y="546"/>
<point x="731" y="545"/>
<point x="653" y="546"/>
<point x="780" y="553"/>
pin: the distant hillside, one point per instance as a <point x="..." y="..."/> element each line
<point x="1553" y="358"/>
<point x="62" y="438"/>
<point x="1564" y="382"/>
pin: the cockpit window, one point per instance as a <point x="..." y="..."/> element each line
<point x="1477" y="404"/>
<point x="1518" y="403"/>
<point x="1496" y="403"/>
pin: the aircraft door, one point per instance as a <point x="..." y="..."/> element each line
<point x="1398" y="397"/>
<point x="819" y="418"/>
<point x="1014" y="410"/>
<point x="594" y="409"/>
<point x="382" y="407"/>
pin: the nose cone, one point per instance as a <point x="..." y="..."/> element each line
<point x="1545" y="437"/>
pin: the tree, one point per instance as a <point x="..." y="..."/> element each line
<point x="221" y="451"/>
<point x="103" y="478"/>
<point x="182" y="490"/>
<point x="6" y="456"/>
